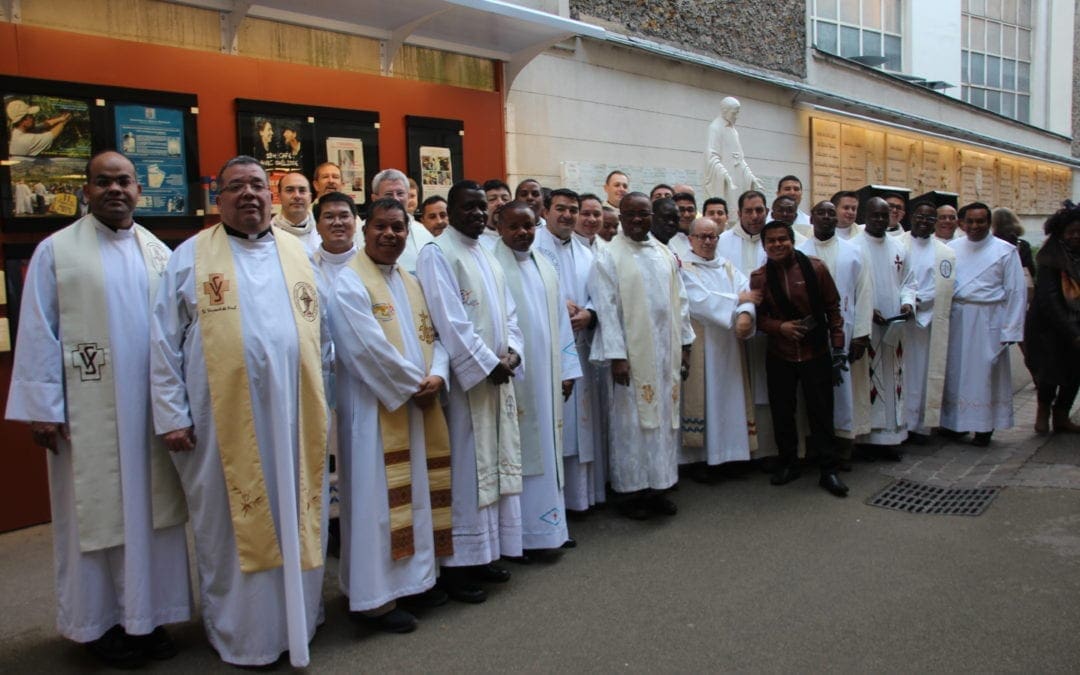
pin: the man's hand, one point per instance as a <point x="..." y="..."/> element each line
<point x="501" y="373"/>
<point x="48" y="434"/>
<point x="743" y="325"/>
<point x="858" y="348"/>
<point x="907" y="310"/>
<point x="180" y="440"/>
<point x="428" y="391"/>
<point x="878" y="318"/>
<point x="751" y="296"/>
<point x="580" y="318"/>
<point x="567" y="389"/>
<point x="620" y="372"/>
<point x="793" y="330"/>
<point x="839" y="366"/>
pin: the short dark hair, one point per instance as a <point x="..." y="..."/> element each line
<point x="750" y="194"/>
<point x="510" y="206"/>
<point x="454" y="194"/>
<point x="658" y="186"/>
<point x="1068" y="214"/>
<point x="386" y="204"/>
<point x="663" y="201"/>
<point x="433" y="199"/>
<point x="561" y="192"/>
<point x="527" y="180"/>
<point x="331" y="197"/>
<point x="684" y="197"/>
<point x="588" y="195"/>
<point x="786" y="179"/>
<point x="239" y="160"/>
<point x="974" y="206"/>
<point x="495" y="184"/>
<point x="914" y="206"/>
<point x="714" y="200"/>
<point x="776" y="224"/>
<point x="784" y="198"/>
<point x="894" y="195"/>
<point x="618" y="172"/>
<point x="843" y="194"/>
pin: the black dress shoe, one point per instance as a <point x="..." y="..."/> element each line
<point x="917" y="439"/>
<point x="890" y="453"/>
<point x="982" y="439"/>
<point x="396" y="620"/>
<point x="661" y="505"/>
<point x="832" y="483"/>
<point x="635" y="508"/>
<point x="454" y="584"/>
<point x="490" y="573"/>
<point x="704" y="474"/>
<point x="116" y="649"/>
<point x="570" y="543"/>
<point x="432" y="597"/>
<point x="950" y="434"/>
<point x="543" y="555"/>
<point x="157" y="645"/>
<point x="517" y="559"/>
<point x="575" y="515"/>
<point x="785" y="474"/>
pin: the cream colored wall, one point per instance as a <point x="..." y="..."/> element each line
<point x="609" y="105"/>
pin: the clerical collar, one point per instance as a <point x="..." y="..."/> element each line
<point x="244" y="235"/>
<point x="342" y="257"/>
<point x="521" y="255"/>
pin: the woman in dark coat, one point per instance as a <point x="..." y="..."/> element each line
<point x="1052" y="330"/>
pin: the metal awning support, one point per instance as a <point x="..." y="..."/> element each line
<point x="230" y="25"/>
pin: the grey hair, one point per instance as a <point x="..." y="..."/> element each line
<point x="385" y="175"/>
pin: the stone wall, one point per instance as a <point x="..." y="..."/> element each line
<point x="767" y="35"/>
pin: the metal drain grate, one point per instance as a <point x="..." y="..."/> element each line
<point x="905" y="495"/>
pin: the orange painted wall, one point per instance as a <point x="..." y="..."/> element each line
<point x="217" y="80"/>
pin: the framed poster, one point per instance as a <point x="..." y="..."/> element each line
<point x="436" y="157"/>
<point x="285" y="137"/>
<point x="53" y="128"/>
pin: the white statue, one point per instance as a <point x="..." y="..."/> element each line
<point x="726" y="172"/>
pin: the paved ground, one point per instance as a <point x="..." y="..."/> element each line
<point x="747" y="578"/>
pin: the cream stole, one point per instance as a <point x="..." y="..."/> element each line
<point x="492" y="409"/>
<point x="694" y="410"/>
<point x="638" y="327"/>
<point x="90" y="388"/>
<point x="532" y="459"/>
<point x="944" y="280"/>
<point x="219" y="317"/>
<point x="394" y="424"/>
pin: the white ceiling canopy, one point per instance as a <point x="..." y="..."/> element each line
<point x="484" y="28"/>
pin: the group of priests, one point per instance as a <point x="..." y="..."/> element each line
<point x="481" y="379"/>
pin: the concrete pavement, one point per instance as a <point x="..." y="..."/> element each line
<point x="746" y="578"/>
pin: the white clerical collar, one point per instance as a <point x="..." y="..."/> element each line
<point x="582" y="239"/>
<point x="463" y="238"/>
<point x="831" y="241"/>
<point x="337" y="258"/>
<point x="741" y="232"/>
<point x="694" y="258"/>
<point x="921" y="241"/>
<point x="521" y="255"/>
<point x="117" y="233"/>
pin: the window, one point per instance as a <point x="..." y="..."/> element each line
<point x="854" y="28"/>
<point x="996" y="61"/>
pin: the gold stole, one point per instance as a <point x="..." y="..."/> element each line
<point x="532" y="461"/>
<point x="694" y="414"/>
<point x="219" y="317"/>
<point x="944" y="280"/>
<point x="638" y="327"/>
<point x="394" y="424"/>
<point x="90" y="389"/>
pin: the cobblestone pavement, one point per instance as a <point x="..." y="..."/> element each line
<point x="1015" y="457"/>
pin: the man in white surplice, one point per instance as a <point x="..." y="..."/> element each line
<point x="926" y="338"/>
<point x="476" y="320"/>
<point x="394" y="184"/>
<point x="894" y="295"/>
<point x="381" y="563"/>
<point x="237" y="312"/>
<point x="582" y="415"/>
<point x="294" y="193"/>
<point x="546" y="384"/>
<point x="81" y="376"/>
<point x="987" y="318"/>
<point x="851" y="408"/>
<point x="715" y="423"/>
<point x="847" y="210"/>
<point x="644" y="332"/>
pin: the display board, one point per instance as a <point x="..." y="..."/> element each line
<point x="848" y="156"/>
<point x="53" y="128"/>
<point x="436" y="154"/>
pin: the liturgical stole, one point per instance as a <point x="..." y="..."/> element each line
<point x="219" y="312"/>
<point x="394" y="424"/>
<point x="90" y="389"/>
<point x="944" y="281"/>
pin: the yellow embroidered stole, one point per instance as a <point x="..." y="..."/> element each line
<point x="638" y="327"/>
<point x="90" y="389"/>
<point x="944" y="281"/>
<point x="220" y="325"/>
<point x="394" y="424"/>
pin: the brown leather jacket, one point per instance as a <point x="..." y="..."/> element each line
<point x="769" y="315"/>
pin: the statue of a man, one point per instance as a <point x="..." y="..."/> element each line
<point x="726" y="172"/>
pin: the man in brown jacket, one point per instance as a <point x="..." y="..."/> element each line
<point x="800" y="312"/>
